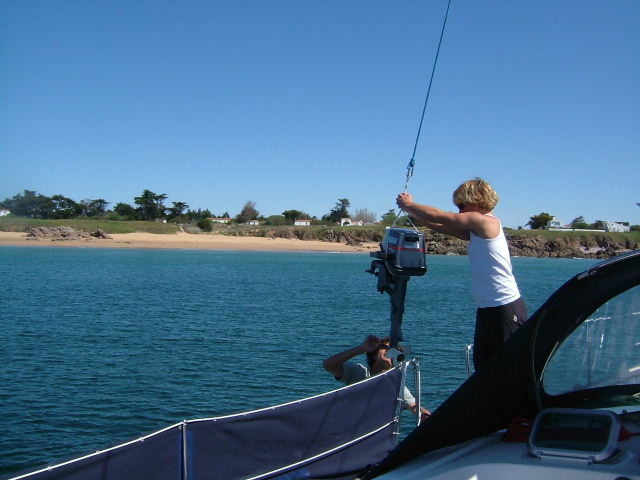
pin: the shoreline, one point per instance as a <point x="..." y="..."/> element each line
<point x="187" y="241"/>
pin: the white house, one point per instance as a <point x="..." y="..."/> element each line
<point x="302" y="222"/>
<point x="220" y="219"/>
<point x="345" y="222"/>
<point x="554" y="223"/>
<point x="4" y="212"/>
<point x="616" y="227"/>
<point x="253" y="222"/>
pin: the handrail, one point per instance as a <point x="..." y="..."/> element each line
<point x="468" y="359"/>
<point x="415" y="362"/>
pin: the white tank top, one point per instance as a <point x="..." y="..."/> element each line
<point x="493" y="283"/>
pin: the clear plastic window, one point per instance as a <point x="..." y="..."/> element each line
<point x="603" y="351"/>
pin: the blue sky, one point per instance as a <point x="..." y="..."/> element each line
<point x="293" y="104"/>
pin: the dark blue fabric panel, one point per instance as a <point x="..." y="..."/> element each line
<point x="157" y="457"/>
<point x="255" y="443"/>
<point x="250" y="444"/>
<point x="345" y="463"/>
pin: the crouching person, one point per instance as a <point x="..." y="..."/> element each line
<point x="375" y="349"/>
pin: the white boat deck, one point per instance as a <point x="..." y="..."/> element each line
<point x="490" y="458"/>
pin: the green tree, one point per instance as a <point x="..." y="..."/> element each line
<point x="406" y="220"/>
<point x="177" y="209"/>
<point x="64" y="207"/>
<point x="276" y="220"/>
<point x="248" y="213"/>
<point x="293" y="215"/>
<point x="44" y="207"/>
<point x="195" y="215"/>
<point x="389" y="217"/>
<point x="84" y="206"/>
<point x="539" y="221"/>
<point x="579" y="222"/>
<point x="96" y="207"/>
<point x="29" y="204"/>
<point x="341" y="210"/>
<point x="150" y="205"/>
<point x="126" y="211"/>
<point x="205" y="224"/>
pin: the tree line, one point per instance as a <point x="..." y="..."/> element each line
<point x="150" y="206"/>
<point x="540" y="221"/>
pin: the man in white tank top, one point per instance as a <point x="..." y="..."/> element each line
<point x="500" y="307"/>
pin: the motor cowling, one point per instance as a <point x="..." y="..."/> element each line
<point x="403" y="251"/>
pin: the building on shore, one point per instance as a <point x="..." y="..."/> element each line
<point x="617" y="227"/>
<point x="555" y="225"/>
<point x="345" y="222"/>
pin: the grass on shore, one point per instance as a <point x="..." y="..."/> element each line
<point x="553" y="235"/>
<point x="22" y="224"/>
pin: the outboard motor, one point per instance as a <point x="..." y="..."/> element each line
<point x="402" y="255"/>
<point x="403" y="252"/>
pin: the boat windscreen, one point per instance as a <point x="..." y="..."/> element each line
<point x="603" y="351"/>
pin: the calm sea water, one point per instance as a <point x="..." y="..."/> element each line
<point x="100" y="345"/>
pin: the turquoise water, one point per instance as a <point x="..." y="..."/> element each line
<point x="100" y="345"/>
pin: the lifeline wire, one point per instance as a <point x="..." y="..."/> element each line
<point x="412" y="162"/>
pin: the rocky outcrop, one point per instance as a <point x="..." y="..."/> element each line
<point x="520" y="244"/>
<point x="101" y="234"/>
<point x="569" y="246"/>
<point x="64" y="233"/>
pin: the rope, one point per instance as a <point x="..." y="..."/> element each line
<point x="412" y="162"/>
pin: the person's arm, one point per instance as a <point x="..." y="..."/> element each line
<point x="456" y="224"/>
<point x="446" y="229"/>
<point x="434" y="218"/>
<point x="333" y="364"/>
<point x="424" y="413"/>
<point x="411" y="405"/>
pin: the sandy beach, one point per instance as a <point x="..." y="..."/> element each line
<point x="186" y="241"/>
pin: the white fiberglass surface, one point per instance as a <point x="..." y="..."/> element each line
<point x="489" y="458"/>
<point x="509" y="471"/>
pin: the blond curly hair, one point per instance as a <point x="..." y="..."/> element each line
<point x="475" y="192"/>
